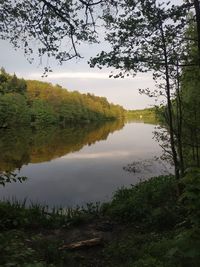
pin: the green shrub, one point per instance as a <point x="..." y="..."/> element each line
<point x="186" y="245"/>
<point x="152" y="202"/>
<point x="190" y="197"/>
<point x="148" y="262"/>
<point x="14" y="251"/>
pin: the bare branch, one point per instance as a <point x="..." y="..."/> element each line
<point x="88" y="4"/>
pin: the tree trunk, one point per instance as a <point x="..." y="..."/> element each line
<point x="169" y="104"/>
<point x="179" y="124"/>
<point x="196" y="139"/>
<point x="197" y="12"/>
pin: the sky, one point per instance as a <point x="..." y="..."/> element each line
<point x="77" y="75"/>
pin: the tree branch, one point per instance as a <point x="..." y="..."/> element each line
<point x="88" y="4"/>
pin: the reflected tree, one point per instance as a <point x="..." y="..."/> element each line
<point x="9" y="177"/>
<point x="39" y="145"/>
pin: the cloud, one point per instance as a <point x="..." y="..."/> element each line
<point x="79" y="75"/>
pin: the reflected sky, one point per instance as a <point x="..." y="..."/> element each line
<point x="94" y="172"/>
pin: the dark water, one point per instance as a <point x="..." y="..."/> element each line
<point x="79" y="164"/>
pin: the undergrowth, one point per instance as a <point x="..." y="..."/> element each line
<point x="154" y="227"/>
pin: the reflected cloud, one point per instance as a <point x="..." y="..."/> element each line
<point x="109" y="154"/>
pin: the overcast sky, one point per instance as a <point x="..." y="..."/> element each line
<point x="77" y="75"/>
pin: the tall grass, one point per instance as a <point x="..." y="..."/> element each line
<point x="17" y="214"/>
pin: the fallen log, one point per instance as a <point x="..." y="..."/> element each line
<point x="83" y="244"/>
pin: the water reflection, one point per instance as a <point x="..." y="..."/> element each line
<point x="22" y="146"/>
<point x="94" y="170"/>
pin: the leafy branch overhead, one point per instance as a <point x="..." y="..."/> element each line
<point x="58" y="27"/>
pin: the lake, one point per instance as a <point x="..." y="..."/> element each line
<point x="81" y="164"/>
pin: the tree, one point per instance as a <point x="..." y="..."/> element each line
<point x="13" y="110"/>
<point x="58" y="26"/>
<point x="197" y="13"/>
<point x="148" y="36"/>
<point x="190" y="82"/>
<point x="11" y="84"/>
<point x="42" y="113"/>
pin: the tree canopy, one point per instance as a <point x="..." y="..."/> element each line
<point x="39" y="103"/>
<point x="58" y="27"/>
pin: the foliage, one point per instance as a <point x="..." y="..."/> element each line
<point x="17" y="215"/>
<point x="190" y="98"/>
<point x="59" y="27"/>
<point x="190" y="196"/>
<point x="147" y="115"/>
<point x="151" y="202"/>
<point x="185" y="105"/>
<point x="14" y="110"/>
<point x="42" y="113"/>
<point x="147" y="36"/>
<point x="175" y="244"/>
<point x="153" y="227"/>
<point x="72" y="106"/>
<point x="11" y="84"/>
<point x="14" y="251"/>
<point x="41" y="104"/>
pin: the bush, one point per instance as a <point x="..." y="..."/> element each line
<point x="153" y="202"/>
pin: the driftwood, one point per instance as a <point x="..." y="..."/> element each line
<point x="83" y="244"/>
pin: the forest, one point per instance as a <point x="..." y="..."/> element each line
<point x="147" y="115"/>
<point x="35" y="103"/>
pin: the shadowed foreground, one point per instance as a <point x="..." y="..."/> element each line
<point x="146" y="225"/>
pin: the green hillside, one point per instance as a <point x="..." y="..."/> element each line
<point x="39" y="103"/>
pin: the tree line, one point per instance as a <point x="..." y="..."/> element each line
<point x="39" y="103"/>
<point x="147" y="115"/>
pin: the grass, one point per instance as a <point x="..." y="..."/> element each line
<point x="152" y="227"/>
<point x="16" y="215"/>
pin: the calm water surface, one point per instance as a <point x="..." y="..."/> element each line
<point x="79" y="164"/>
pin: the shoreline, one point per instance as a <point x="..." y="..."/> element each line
<point x="118" y="233"/>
